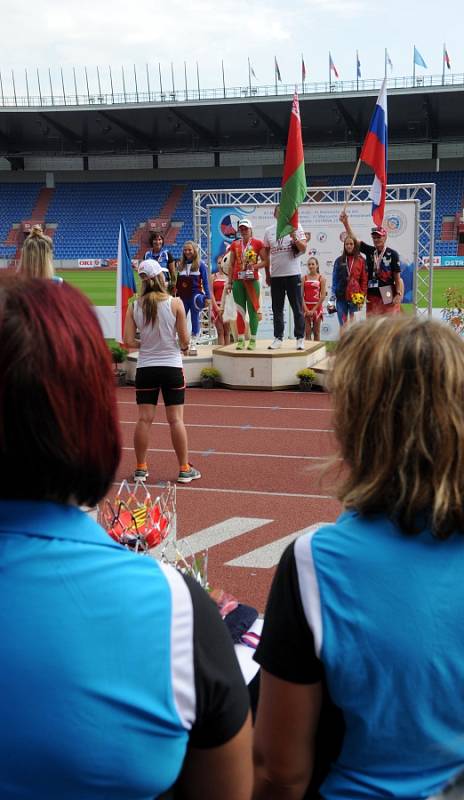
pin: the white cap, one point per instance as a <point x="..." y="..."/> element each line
<point x="246" y="223"/>
<point x="151" y="268"/>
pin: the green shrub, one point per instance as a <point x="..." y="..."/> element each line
<point x="306" y="375"/>
<point x="118" y="353"/>
<point x="210" y="372"/>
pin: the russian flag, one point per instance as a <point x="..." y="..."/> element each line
<point x="125" y="282"/>
<point x="374" y="153"/>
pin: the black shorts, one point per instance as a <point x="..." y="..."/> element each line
<point x="149" y="381"/>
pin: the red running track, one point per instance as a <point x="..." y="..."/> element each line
<point x="262" y="457"/>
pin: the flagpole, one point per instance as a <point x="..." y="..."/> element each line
<point x="51" y="87"/>
<point x="136" y="84"/>
<point x="123" y="83"/>
<point x="348" y="195"/>
<point x="172" y="81"/>
<point x="443" y="65"/>
<point x="75" y="85"/>
<point x="385" y="70"/>
<point x="275" y="74"/>
<point x="14" y="86"/>
<point x="330" y="73"/>
<point x="111" y="83"/>
<point x="414" y="67"/>
<point x="198" y="81"/>
<point x="87" y="84"/>
<point x="302" y="74"/>
<point x="223" y="78"/>
<point x="185" y="78"/>
<point x="357" y="71"/>
<point x="249" y="75"/>
<point x="62" y="85"/>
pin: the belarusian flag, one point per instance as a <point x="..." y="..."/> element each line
<point x="294" y="187"/>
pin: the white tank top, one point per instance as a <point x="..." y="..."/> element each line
<point x="158" y="343"/>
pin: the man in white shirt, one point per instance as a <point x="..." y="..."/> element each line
<point x="284" y="257"/>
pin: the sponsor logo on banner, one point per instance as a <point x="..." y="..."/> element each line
<point x="452" y="261"/>
<point x="396" y="223"/>
<point x="436" y="261"/>
<point x="89" y="262"/>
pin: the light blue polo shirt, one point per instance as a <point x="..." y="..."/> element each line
<point x="387" y="611"/>
<point x="96" y="697"/>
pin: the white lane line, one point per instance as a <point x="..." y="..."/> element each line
<point x="237" y="427"/>
<point x="237" y="491"/>
<point x="269" y="555"/>
<point x="248" y="408"/>
<point x="240" y="455"/>
<point x="222" y="532"/>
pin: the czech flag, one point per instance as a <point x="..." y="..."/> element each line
<point x="374" y="153"/>
<point x="125" y="282"/>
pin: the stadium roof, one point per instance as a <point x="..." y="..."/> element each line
<point x="248" y="121"/>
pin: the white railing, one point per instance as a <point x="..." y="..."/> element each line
<point x="135" y="97"/>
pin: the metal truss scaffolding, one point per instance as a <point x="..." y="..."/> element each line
<point x="422" y="194"/>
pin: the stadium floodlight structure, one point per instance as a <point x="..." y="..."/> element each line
<point x="422" y="194"/>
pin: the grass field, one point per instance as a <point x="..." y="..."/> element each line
<point x="100" y="287"/>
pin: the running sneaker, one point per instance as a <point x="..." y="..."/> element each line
<point x="300" y="344"/>
<point x="252" y="344"/>
<point x="240" y="344"/>
<point x="275" y="344"/>
<point x="189" y="475"/>
<point x="140" y="475"/>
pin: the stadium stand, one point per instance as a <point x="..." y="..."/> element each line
<point x="83" y="218"/>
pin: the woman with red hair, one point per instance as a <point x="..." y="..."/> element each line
<point x="118" y="677"/>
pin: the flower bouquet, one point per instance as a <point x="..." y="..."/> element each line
<point x="358" y="299"/>
<point x="250" y="258"/>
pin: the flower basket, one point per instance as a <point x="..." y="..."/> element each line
<point x="209" y="376"/>
<point x="307" y="377"/>
<point x="453" y="312"/>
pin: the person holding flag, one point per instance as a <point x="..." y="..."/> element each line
<point x="384" y="287"/>
<point x="384" y="284"/>
<point x="285" y="240"/>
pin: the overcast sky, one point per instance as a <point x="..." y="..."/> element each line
<point x="94" y="33"/>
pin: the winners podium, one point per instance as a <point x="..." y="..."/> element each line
<point x="268" y="369"/>
<point x="252" y="369"/>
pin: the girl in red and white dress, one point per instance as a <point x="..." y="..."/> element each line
<point x="218" y="283"/>
<point x="314" y="293"/>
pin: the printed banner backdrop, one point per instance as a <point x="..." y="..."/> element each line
<point x="321" y="224"/>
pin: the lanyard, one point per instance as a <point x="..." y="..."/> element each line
<point x="249" y="246"/>
<point x="349" y="266"/>
<point x="378" y="259"/>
